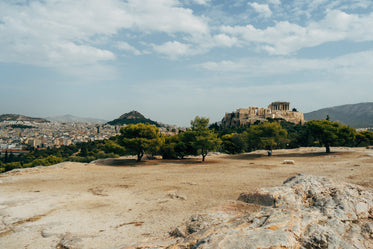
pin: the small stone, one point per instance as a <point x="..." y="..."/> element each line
<point x="288" y="162"/>
<point x="177" y="196"/>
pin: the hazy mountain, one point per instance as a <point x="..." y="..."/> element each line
<point x="132" y="117"/>
<point x="17" y="117"/>
<point x="71" y="118"/>
<point x="355" y="115"/>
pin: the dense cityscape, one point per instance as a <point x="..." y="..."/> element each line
<point x="20" y="136"/>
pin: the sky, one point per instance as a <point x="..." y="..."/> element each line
<point x="173" y="60"/>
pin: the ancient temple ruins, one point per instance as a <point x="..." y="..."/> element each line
<point x="276" y="110"/>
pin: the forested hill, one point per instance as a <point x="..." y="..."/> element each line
<point x="355" y="115"/>
<point x="132" y="117"/>
<point x="17" y="117"/>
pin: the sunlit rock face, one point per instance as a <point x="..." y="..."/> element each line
<point x="305" y="212"/>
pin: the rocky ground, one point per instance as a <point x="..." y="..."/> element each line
<point x="117" y="203"/>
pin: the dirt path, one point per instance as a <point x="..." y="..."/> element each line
<point x="118" y="202"/>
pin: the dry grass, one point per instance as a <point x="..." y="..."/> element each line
<point x="113" y="204"/>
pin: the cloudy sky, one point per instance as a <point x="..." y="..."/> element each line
<point x="175" y="59"/>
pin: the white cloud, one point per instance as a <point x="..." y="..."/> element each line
<point x="225" y="40"/>
<point x="50" y="33"/>
<point x="127" y="47"/>
<point x="286" y="38"/>
<point x="275" y="2"/>
<point x="173" y="49"/>
<point x="262" y="9"/>
<point x="164" y="16"/>
<point x="354" y="64"/>
<point x="201" y="2"/>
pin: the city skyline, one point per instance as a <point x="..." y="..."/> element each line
<point x="172" y="60"/>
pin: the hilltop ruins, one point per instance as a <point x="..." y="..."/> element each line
<point x="276" y="110"/>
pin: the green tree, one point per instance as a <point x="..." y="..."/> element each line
<point x="83" y="150"/>
<point x="267" y="135"/>
<point x="202" y="138"/>
<point x="364" y="138"/>
<point x="330" y="133"/>
<point x="111" y="146"/>
<point x="139" y="138"/>
<point x="233" y="143"/>
<point x="185" y="144"/>
<point x="167" y="149"/>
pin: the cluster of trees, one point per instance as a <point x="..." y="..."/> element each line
<point x="145" y="138"/>
<point x="275" y="134"/>
<point x="140" y="139"/>
<point x="279" y="134"/>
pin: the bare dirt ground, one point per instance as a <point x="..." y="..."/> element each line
<point x="116" y="202"/>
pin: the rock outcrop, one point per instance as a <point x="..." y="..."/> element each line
<point x="305" y="212"/>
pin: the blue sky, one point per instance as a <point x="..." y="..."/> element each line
<point x="175" y="59"/>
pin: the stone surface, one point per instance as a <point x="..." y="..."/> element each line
<point x="305" y="212"/>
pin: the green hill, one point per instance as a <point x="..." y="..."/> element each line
<point x="132" y="117"/>
<point x="355" y="115"/>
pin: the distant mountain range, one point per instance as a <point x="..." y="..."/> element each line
<point x="17" y="117"/>
<point x="132" y="117"/>
<point x="71" y="118"/>
<point x="355" y="115"/>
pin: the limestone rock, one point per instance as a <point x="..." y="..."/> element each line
<point x="305" y="212"/>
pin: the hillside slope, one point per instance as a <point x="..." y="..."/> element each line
<point x="355" y="115"/>
<point x="17" y="117"/>
<point x="132" y="117"/>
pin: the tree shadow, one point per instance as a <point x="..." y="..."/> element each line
<point x="246" y="156"/>
<point x="187" y="161"/>
<point x="308" y="154"/>
<point x="280" y="154"/>
<point x="119" y="162"/>
<point x="146" y="162"/>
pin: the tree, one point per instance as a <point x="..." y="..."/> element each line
<point x="330" y="133"/>
<point x="233" y="143"/>
<point x="167" y="149"/>
<point x="139" y="138"/>
<point x="83" y="150"/>
<point x="364" y="138"/>
<point x="6" y="156"/>
<point x="185" y="145"/>
<point x="203" y="139"/>
<point x="267" y="135"/>
<point x="111" y="146"/>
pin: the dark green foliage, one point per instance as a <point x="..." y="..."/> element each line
<point x="364" y="138"/>
<point x="233" y="143"/>
<point x="111" y="146"/>
<point x="132" y="117"/>
<point x="49" y="156"/>
<point x="329" y="134"/>
<point x="266" y="136"/>
<point x="185" y="145"/>
<point x="20" y="126"/>
<point x="223" y="131"/>
<point x="167" y="149"/>
<point x="201" y="137"/>
<point x="140" y="138"/>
